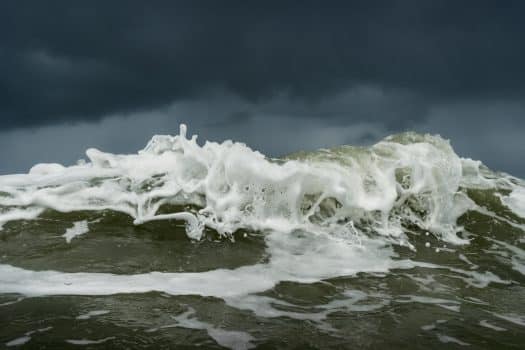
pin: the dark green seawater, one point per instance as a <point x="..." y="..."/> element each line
<point x="405" y="308"/>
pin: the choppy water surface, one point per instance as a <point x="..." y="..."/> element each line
<point x="400" y="245"/>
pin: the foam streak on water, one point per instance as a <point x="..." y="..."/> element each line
<point x="79" y="228"/>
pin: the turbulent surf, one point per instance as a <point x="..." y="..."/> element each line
<point x="235" y="249"/>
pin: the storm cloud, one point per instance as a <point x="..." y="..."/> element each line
<point x="353" y="71"/>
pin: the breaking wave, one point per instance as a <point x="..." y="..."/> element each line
<point x="328" y="213"/>
<point x="404" y="183"/>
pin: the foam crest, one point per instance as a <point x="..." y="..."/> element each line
<point x="404" y="180"/>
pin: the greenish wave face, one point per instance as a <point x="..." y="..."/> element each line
<point x="403" y="245"/>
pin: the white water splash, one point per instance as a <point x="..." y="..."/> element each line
<point x="343" y="191"/>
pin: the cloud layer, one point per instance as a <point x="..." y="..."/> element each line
<point x="64" y="60"/>
<point x="490" y="132"/>
<point x="342" y="72"/>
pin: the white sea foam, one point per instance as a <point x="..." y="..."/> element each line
<point x="489" y="325"/>
<point x="513" y="318"/>
<point x="79" y="228"/>
<point x="344" y="191"/>
<point x="451" y="305"/>
<point x="26" y="337"/>
<point x="448" y="339"/>
<point x="18" y="341"/>
<point x="227" y="338"/>
<point x="17" y="300"/>
<point x="516" y="201"/>
<point x="268" y="307"/>
<point x="516" y="256"/>
<point x="88" y="341"/>
<point x="18" y="214"/>
<point x="90" y="314"/>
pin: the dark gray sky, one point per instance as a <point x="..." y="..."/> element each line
<point x="278" y="75"/>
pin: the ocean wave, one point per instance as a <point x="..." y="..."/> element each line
<point x="347" y="229"/>
<point x="405" y="182"/>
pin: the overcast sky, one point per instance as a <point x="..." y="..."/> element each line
<point x="278" y="75"/>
